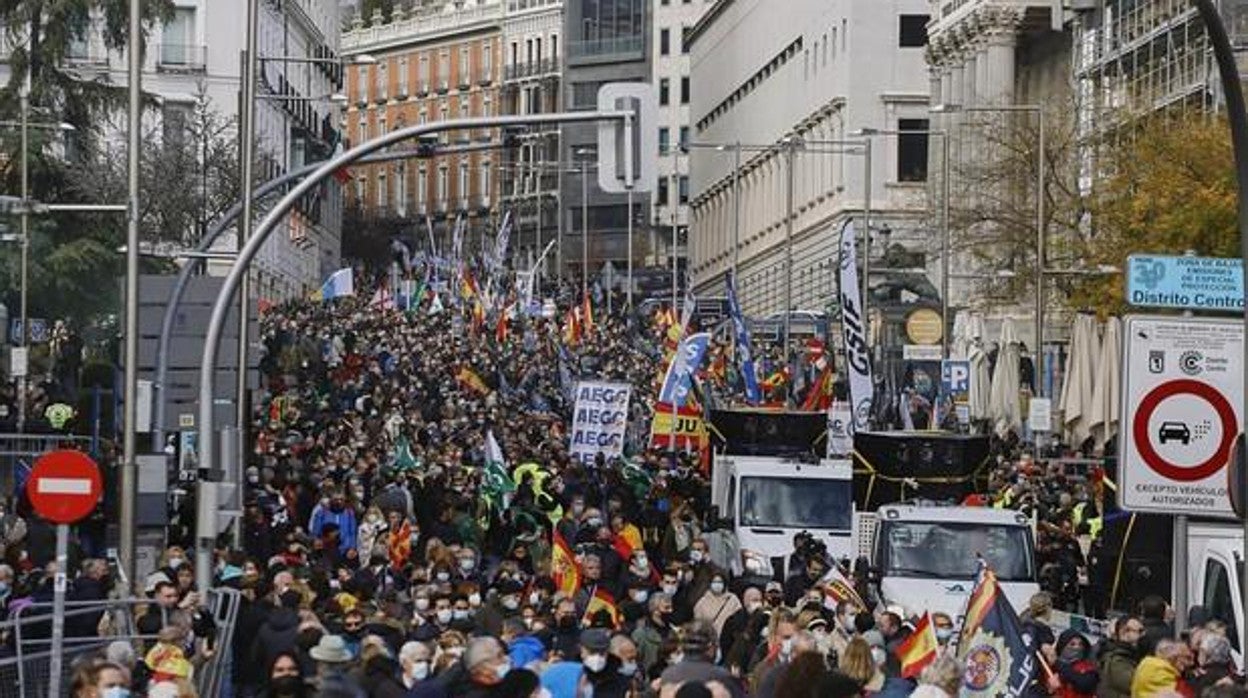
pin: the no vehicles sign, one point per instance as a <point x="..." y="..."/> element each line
<point x="1181" y="411"/>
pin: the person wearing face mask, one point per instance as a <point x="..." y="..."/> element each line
<point x="1120" y="658"/>
<point x="504" y="605"/>
<point x="652" y="632"/>
<point x="567" y="628"/>
<point x="717" y="605"/>
<point x="415" y="661"/>
<point x="461" y="615"/>
<point x="695" y="656"/>
<point x="481" y="672"/>
<point x="1076" y="674"/>
<point x="335" y="511"/>
<point x="601" y="677"/>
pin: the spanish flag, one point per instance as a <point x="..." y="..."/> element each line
<point x="587" y="317"/>
<point x="918" y="650"/>
<point x="563" y="567"/>
<point x="468" y="285"/>
<point x="469" y="379"/>
<point x="602" y="600"/>
<point x="571" y="330"/>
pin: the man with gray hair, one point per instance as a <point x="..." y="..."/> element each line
<point x="1214" y="662"/>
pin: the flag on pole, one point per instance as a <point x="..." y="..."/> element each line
<point x="564" y="570"/>
<point x="918" y="650"/>
<point x="496" y="485"/>
<point x="340" y="283"/>
<point x="602" y="600"/>
<point x="1000" y="659"/>
<point x="840" y="588"/>
<point x="748" y="376"/>
<point x="687" y="360"/>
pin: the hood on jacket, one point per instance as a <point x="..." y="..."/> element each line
<point x="525" y="650"/>
<point x="1154" y="675"/>
<point x="282" y="619"/>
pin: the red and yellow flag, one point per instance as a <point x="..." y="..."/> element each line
<point x="602" y="600"/>
<point x="840" y="588"/>
<point x="820" y="396"/>
<point x="571" y="329"/>
<point x="563" y="567"/>
<point x="918" y="650"/>
<point x="469" y="379"/>
<point x="400" y="546"/>
<point x="467" y="285"/>
<point x="587" y="314"/>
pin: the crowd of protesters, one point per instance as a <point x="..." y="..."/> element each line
<point x="379" y="556"/>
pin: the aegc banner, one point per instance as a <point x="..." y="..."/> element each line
<point x="600" y="420"/>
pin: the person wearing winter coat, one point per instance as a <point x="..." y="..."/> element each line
<point x="1119" y="659"/>
<point x="1162" y="671"/>
<point x="1076" y="675"/>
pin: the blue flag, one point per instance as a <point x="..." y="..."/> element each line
<point x="687" y="359"/>
<point x="752" y="394"/>
<point x="999" y="657"/>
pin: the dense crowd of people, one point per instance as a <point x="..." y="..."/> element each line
<point x="382" y="555"/>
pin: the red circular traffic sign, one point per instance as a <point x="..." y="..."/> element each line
<point x="1173" y="471"/>
<point x="64" y="486"/>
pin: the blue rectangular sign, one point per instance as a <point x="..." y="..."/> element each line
<point x="1195" y="283"/>
<point x="956" y="377"/>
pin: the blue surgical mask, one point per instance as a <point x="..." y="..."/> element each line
<point x="943" y="634"/>
<point x="116" y="692"/>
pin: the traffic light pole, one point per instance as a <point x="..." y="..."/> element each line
<point x="207" y="378"/>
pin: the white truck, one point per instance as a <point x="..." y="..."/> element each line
<point x="926" y="557"/>
<point x="1215" y="575"/>
<point x="764" y="501"/>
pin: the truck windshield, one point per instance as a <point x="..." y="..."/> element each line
<point x="949" y="550"/>
<point x="795" y="502"/>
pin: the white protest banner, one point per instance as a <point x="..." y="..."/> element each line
<point x="600" y="420"/>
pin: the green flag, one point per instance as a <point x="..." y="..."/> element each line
<point x="496" y="484"/>
<point x="403" y="458"/>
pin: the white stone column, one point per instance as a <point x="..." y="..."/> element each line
<point x="1000" y="60"/>
<point x="983" y="72"/>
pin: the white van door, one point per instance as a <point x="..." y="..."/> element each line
<point x="1219" y="594"/>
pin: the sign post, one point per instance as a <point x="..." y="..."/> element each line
<point x="1181" y="413"/>
<point x="63" y="487"/>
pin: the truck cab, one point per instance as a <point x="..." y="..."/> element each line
<point x="765" y="501"/>
<point x="1216" y="576"/>
<point x="927" y="556"/>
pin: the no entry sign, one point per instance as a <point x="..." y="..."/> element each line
<point x="64" y="486"/>
<point x="1181" y="404"/>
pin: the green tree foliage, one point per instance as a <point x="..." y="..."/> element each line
<point x="1168" y="186"/>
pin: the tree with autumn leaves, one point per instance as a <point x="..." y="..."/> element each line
<point x="1161" y="183"/>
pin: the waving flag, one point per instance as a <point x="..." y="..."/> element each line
<point x="340" y="283"/>
<point x="470" y="380"/>
<point x="752" y="394"/>
<point x="999" y="658"/>
<point x="563" y="567"/>
<point x="918" y="650"/>
<point x="495" y="483"/>
<point x="679" y="372"/>
<point x="840" y="588"/>
<point x="602" y="600"/>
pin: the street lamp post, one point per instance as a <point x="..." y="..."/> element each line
<point x="24" y="97"/>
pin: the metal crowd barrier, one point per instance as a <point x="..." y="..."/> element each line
<point x="26" y="649"/>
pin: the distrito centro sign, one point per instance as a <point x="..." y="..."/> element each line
<point x="64" y="486"/>
<point x="1182" y="393"/>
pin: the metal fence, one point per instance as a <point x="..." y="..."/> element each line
<point x="26" y="448"/>
<point x="26" y="651"/>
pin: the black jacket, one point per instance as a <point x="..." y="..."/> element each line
<point x="277" y="634"/>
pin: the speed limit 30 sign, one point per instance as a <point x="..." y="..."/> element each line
<point x="1182" y="392"/>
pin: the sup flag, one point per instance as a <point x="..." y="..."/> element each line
<point x="999" y="658"/>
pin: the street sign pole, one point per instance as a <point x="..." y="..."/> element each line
<point x="58" y="610"/>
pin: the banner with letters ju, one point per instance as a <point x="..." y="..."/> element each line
<point x="600" y="420"/>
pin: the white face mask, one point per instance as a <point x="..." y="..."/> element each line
<point x="717" y="587"/>
<point x="511" y="603"/>
<point x="878" y="656"/>
<point x="676" y="658"/>
<point x="786" y="647"/>
<point x="420" y="670"/>
<point x="444" y="616"/>
<point x="443" y="576"/>
<point x="669" y="589"/>
<point x="595" y="662"/>
<point x="695" y="556"/>
<point x="535" y="598"/>
<point x="467" y="564"/>
<point x="628" y="668"/>
<point x="460" y="614"/>
<point x="474" y="600"/>
<point x="422" y="604"/>
<point x="641" y="595"/>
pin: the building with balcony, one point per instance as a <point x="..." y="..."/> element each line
<point x="669" y="61"/>
<point x="606" y="41"/>
<point x="198" y="53"/>
<point x="815" y="72"/>
<point x="532" y="31"/>
<point x="434" y="62"/>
